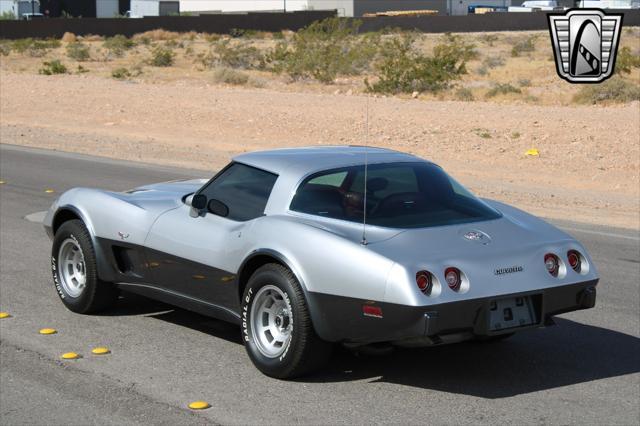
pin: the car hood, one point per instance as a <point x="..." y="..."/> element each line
<point x="160" y="197"/>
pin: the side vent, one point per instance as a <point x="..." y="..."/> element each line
<point x="127" y="260"/>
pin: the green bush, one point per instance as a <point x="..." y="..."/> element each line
<point x="493" y="61"/>
<point x="524" y="46"/>
<point x="5" y="47"/>
<point x="524" y="82"/>
<point x="230" y="76"/>
<point x="78" y="51"/>
<point x="502" y="89"/>
<point x="7" y="16"/>
<point x="324" y="50"/>
<point x="162" y="57"/>
<point x="118" y="44"/>
<point x="34" y="47"/>
<point x="120" y="73"/>
<point x="464" y="94"/>
<point x="613" y="90"/>
<point x="402" y="69"/>
<point x="626" y="60"/>
<point x="489" y="38"/>
<point x="53" y="67"/>
<point x="239" y="55"/>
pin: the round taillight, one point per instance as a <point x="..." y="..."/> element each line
<point x="424" y="281"/>
<point x="452" y="277"/>
<point x="574" y="259"/>
<point x="552" y="263"/>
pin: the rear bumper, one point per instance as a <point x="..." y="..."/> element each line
<point x="338" y="318"/>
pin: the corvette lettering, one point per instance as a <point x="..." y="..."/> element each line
<point x="511" y="270"/>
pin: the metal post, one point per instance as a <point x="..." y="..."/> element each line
<point x="33" y="8"/>
<point x="285" y="6"/>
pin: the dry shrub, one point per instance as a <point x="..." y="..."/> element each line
<point x="91" y="37"/>
<point x="156" y="35"/>
<point x="614" y="90"/>
<point x="69" y="37"/>
<point x="230" y="76"/>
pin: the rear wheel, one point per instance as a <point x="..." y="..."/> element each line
<point x="276" y="326"/>
<point x="74" y="270"/>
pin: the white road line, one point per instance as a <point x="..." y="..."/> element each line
<point x="36" y="217"/>
<point x="604" y="234"/>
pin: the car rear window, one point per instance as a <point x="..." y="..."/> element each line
<point x="399" y="195"/>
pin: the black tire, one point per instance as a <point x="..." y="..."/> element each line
<point x="96" y="295"/>
<point x="305" y="351"/>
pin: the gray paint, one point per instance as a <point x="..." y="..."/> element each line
<point x="384" y="270"/>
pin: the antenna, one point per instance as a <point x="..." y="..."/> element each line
<point x="366" y="170"/>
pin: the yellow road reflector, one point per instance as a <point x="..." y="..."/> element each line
<point x="100" y="351"/>
<point x="2" y="182"/>
<point x="70" y="355"/>
<point x="4" y="315"/>
<point x="532" y="153"/>
<point x="199" y="405"/>
<point x="48" y="331"/>
<point x="49" y="191"/>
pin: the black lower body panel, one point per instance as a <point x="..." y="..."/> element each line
<point x="338" y="318"/>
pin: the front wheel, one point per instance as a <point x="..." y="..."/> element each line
<point x="74" y="270"/>
<point x="276" y="325"/>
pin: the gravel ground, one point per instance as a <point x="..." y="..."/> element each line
<point x="587" y="170"/>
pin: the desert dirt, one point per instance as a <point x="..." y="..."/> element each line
<point x="587" y="169"/>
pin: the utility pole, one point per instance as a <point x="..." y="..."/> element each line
<point x="285" y="6"/>
<point x="33" y="8"/>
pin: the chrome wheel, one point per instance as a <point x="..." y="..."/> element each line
<point x="271" y="321"/>
<point x="71" y="266"/>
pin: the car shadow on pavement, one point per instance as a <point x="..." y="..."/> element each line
<point x="532" y="361"/>
<point x="133" y="304"/>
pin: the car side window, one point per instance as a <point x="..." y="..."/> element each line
<point x="244" y="189"/>
<point x="332" y="179"/>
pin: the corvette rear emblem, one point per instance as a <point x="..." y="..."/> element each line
<point x="122" y="235"/>
<point x="510" y="270"/>
<point x="585" y="43"/>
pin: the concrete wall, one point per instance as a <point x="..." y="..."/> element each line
<point x="107" y="8"/>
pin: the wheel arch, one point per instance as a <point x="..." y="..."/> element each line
<point x="70" y="212"/>
<point x="262" y="257"/>
<point x="67" y="213"/>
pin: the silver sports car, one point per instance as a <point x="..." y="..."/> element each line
<point x="307" y="247"/>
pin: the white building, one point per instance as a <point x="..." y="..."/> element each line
<point x="142" y="8"/>
<point x="344" y="7"/>
<point x="19" y="7"/>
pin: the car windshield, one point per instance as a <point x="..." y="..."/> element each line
<point x="399" y="195"/>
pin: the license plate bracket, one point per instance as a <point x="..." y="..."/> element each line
<point x="511" y="312"/>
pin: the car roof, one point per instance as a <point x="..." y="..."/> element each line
<point x="305" y="160"/>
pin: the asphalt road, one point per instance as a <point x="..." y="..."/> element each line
<point x="584" y="370"/>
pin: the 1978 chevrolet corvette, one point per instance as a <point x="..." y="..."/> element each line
<point x="276" y="242"/>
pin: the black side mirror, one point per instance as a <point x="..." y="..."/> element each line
<point x="199" y="202"/>
<point x="218" y="208"/>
